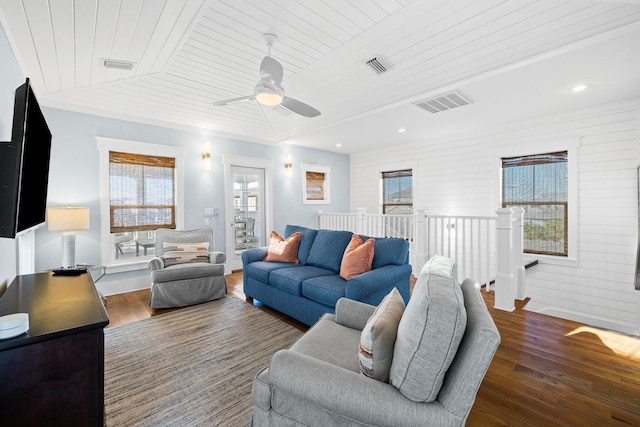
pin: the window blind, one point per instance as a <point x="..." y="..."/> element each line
<point x="141" y="192"/>
<point x="539" y="184"/>
<point x="397" y="192"/>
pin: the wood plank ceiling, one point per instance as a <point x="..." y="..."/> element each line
<point x="190" y="53"/>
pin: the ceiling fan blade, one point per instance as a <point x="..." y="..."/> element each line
<point x="299" y="107"/>
<point x="234" y="100"/>
<point x="271" y="71"/>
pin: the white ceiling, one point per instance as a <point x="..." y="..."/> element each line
<point x="514" y="59"/>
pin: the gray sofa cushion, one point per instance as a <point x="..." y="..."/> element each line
<point x="187" y="271"/>
<point x="429" y="334"/>
<point x="332" y="343"/>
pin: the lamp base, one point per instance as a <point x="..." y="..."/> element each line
<point x="68" y="249"/>
<point x="69" y="271"/>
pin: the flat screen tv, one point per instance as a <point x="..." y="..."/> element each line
<point x="24" y="167"/>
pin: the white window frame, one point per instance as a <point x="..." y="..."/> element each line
<point x="531" y="149"/>
<point x="105" y="145"/>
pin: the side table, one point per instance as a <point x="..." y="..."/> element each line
<point x="145" y="243"/>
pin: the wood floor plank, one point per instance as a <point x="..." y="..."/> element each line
<point x="546" y="372"/>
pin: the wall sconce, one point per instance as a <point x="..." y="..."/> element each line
<point x="206" y="156"/>
<point x="288" y="165"/>
<point x="67" y="220"/>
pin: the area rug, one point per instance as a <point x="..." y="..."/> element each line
<point x="190" y="367"/>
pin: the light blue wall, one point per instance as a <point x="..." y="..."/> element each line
<point x="74" y="179"/>
<point x="10" y="78"/>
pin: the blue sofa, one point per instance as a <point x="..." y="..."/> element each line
<point x="307" y="290"/>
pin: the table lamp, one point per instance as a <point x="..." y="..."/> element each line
<point x="68" y="219"/>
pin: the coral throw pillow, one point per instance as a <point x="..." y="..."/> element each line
<point x="357" y="257"/>
<point x="283" y="250"/>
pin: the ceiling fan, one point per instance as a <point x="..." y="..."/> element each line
<point x="268" y="91"/>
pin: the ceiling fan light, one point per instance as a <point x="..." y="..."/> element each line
<point x="269" y="99"/>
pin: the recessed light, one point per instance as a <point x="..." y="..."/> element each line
<point x="402" y="130"/>
<point x="338" y="145"/>
<point x="580" y="87"/>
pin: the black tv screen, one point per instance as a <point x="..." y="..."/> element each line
<point x="24" y="166"/>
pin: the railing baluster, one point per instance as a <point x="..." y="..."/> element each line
<point x="468" y="240"/>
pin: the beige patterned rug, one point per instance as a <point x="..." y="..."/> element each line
<point x="190" y="367"/>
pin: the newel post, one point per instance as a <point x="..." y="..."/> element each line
<point x="421" y="237"/>
<point x="518" y="247"/>
<point x="505" y="275"/>
<point x="360" y="225"/>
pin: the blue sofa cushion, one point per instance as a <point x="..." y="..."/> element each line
<point x="260" y="270"/>
<point x="307" y="237"/>
<point x="290" y="279"/>
<point x="390" y="250"/>
<point x="328" y="248"/>
<point x="325" y="290"/>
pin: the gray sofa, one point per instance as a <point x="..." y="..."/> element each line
<point x="317" y="382"/>
<point x="186" y="283"/>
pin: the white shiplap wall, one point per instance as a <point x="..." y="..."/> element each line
<point x="462" y="177"/>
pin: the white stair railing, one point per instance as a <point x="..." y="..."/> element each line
<point x="468" y="240"/>
<point x="486" y="249"/>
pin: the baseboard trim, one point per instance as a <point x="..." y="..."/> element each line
<point x="590" y="320"/>
<point x="112" y="285"/>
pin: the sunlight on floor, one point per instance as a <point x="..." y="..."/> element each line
<point x="624" y="345"/>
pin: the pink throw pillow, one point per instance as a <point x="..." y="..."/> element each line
<point x="283" y="250"/>
<point x="357" y="257"/>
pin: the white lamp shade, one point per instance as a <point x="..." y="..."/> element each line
<point x="68" y="218"/>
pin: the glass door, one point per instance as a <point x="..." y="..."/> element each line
<point x="247" y="225"/>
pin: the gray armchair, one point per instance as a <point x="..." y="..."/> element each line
<point x="177" y="282"/>
<point x="317" y="382"/>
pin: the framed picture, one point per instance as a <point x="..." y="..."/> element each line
<point x="316" y="184"/>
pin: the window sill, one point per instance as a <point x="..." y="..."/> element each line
<point x="121" y="267"/>
<point x="552" y="260"/>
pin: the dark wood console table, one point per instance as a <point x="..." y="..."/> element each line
<point x="54" y="373"/>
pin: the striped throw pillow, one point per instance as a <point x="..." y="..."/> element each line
<point x="378" y="337"/>
<point x="184" y="253"/>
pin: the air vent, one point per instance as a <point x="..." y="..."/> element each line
<point x="377" y="66"/>
<point x="444" y="102"/>
<point x="117" y="64"/>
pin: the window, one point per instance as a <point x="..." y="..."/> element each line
<point x="141" y="192"/>
<point x="539" y="184"/>
<point x="141" y="189"/>
<point x="397" y="192"/>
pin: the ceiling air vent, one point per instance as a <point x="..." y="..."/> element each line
<point x="377" y="66"/>
<point x="444" y="102"/>
<point x="117" y="64"/>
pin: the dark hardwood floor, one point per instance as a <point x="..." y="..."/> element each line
<point x="547" y="371"/>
